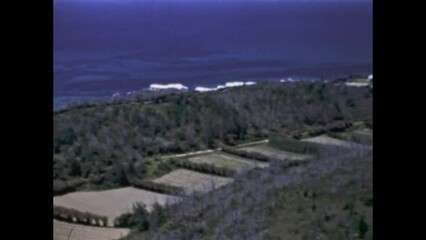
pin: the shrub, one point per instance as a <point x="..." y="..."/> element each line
<point x="61" y="187"/>
<point x="337" y="126"/>
<point x="362" y="228"/>
<point x="206" y="168"/>
<point x="156" y="187"/>
<point x="124" y="220"/>
<point x="245" y="154"/>
<point x="138" y="219"/>
<point x="368" y="201"/>
<point x="73" y="215"/>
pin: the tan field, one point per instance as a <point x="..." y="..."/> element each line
<point x="61" y="231"/>
<point x="326" y="140"/>
<point x="365" y="131"/>
<point x="228" y="161"/>
<point x="275" y="153"/>
<point x="111" y="203"/>
<point x="193" y="181"/>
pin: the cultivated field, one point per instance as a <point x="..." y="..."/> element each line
<point x="365" y="131"/>
<point x="111" y="203"/>
<point x="361" y="136"/>
<point x="193" y="181"/>
<point x="228" y="161"/>
<point x="61" y="231"/>
<point x="275" y="153"/>
<point x="326" y="140"/>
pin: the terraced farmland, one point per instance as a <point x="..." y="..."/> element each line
<point x="326" y="140"/>
<point x="365" y="131"/>
<point x="63" y="230"/>
<point x="275" y="153"/>
<point x="111" y="203"/>
<point x="228" y="161"/>
<point x="193" y="181"/>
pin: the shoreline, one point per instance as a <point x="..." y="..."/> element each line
<point x="61" y="103"/>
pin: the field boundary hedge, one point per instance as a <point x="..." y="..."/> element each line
<point x="75" y="216"/>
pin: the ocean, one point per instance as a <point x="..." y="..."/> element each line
<point x="101" y="48"/>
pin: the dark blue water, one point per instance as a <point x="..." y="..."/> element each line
<point x="102" y="48"/>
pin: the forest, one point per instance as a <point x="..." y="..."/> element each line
<point x="135" y="141"/>
<point x="115" y="143"/>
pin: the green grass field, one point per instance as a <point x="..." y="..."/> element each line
<point x="228" y="161"/>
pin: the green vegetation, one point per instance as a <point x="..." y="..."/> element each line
<point x="138" y="219"/>
<point x="357" y="136"/>
<point x="362" y="228"/>
<point x="156" y="186"/>
<point x="312" y="201"/>
<point x="108" y="145"/>
<point x="292" y="145"/>
<point x="246" y="154"/>
<point x="223" y="160"/>
<point x="206" y="167"/>
<point x="142" y="220"/>
<point x="61" y="187"/>
<point x="73" y="215"/>
<point x="309" y="190"/>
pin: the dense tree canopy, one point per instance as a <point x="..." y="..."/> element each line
<point x="109" y="143"/>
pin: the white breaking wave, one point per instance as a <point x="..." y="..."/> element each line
<point x="204" y="89"/>
<point x="178" y="86"/>
<point x="354" y="84"/>
<point x="287" y="80"/>
<point x="234" y="84"/>
<point x="250" y="83"/>
<point x="227" y="85"/>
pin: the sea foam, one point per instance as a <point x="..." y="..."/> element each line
<point x="355" y="84"/>
<point x="204" y="89"/>
<point x="156" y="87"/>
<point x="227" y="85"/>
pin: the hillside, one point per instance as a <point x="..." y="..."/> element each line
<point x="266" y="161"/>
<point x="108" y="144"/>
